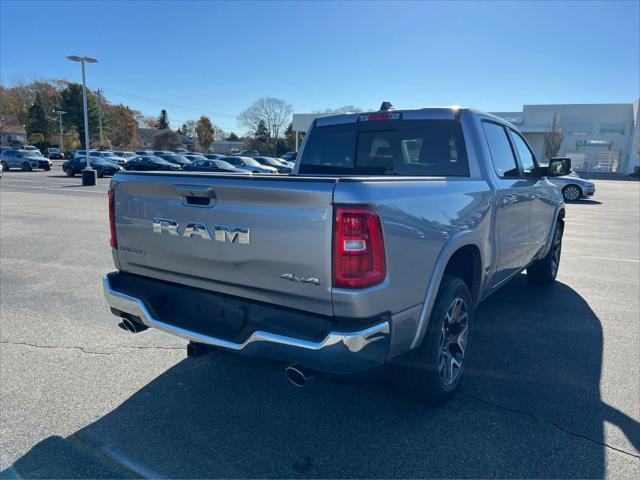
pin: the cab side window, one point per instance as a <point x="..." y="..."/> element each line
<point x="526" y="157"/>
<point x="504" y="161"/>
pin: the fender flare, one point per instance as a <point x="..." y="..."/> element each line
<point x="450" y="247"/>
<point x="558" y="214"/>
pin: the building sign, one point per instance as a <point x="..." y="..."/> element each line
<point x="591" y="142"/>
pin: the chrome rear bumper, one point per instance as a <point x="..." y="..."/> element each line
<point x="339" y="352"/>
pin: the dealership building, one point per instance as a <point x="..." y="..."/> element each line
<point x="597" y="137"/>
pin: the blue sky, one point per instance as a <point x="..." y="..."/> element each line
<point x="216" y="58"/>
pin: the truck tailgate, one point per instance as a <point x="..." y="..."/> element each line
<point x="260" y="237"/>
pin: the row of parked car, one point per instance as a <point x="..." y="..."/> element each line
<point x="107" y="162"/>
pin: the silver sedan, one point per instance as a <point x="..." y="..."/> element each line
<point x="574" y="187"/>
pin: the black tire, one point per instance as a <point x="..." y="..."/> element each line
<point x="100" y="174"/>
<point x="426" y="379"/>
<point x="46" y="169"/>
<point x="5" y="167"/>
<point x="69" y="172"/>
<point x="26" y="167"/>
<point x="572" y="193"/>
<point x="545" y="270"/>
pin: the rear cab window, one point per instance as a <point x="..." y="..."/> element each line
<point x="387" y="147"/>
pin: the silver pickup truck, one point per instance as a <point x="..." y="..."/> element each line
<point x="391" y="229"/>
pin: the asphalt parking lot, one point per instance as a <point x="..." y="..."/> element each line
<point x="553" y="384"/>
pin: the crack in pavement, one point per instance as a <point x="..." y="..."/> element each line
<point x="87" y="351"/>
<point x="550" y="422"/>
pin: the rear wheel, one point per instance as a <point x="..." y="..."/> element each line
<point x="26" y="166"/>
<point x="545" y="270"/>
<point x="571" y="193"/>
<point x="435" y="368"/>
<point x="69" y="171"/>
<point x="5" y="167"/>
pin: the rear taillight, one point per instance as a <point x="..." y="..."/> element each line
<point x="113" y="241"/>
<point x="358" y="250"/>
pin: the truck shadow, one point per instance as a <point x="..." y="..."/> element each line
<point x="530" y="407"/>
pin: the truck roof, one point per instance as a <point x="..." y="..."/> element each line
<point x="427" y="113"/>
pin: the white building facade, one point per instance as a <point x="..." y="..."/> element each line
<point x="597" y="137"/>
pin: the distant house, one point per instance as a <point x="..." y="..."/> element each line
<point x="224" y="146"/>
<point x="146" y="136"/>
<point x="11" y="132"/>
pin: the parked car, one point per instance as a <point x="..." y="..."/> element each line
<point x="273" y="162"/>
<point x="246" y="153"/>
<point x="207" y="165"/>
<point x="100" y="165"/>
<point x="194" y="156"/>
<point x="365" y="272"/>
<point x="32" y="148"/>
<point x="54" y="154"/>
<point x="125" y="155"/>
<point x="248" y="164"/>
<point x="111" y="157"/>
<point x="290" y="156"/>
<point x="573" y="186"/>
<point x="150" y="163"/>
<point x="212" y="156"/>
<point x="25" y="160"/>
<point x="181" y="160"/>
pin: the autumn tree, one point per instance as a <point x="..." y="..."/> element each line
<point x="123" y="126"/>
<point x="163" y="120"/>
<point x="205" y="132"/>
<point x="273" y="112"/>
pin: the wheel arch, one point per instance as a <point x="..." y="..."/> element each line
<point x="462" y="257"/>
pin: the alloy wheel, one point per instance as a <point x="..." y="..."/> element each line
<point x="556" y="248"/>
<point x="571" y="193"/>
<point x="453" y="342"/>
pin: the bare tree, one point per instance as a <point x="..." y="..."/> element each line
<point x="275" y="113"/>
<point x="553" y="138"/>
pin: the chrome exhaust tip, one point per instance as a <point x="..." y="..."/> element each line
<point x="297" y="375"/>
<point x="132" y="326"/>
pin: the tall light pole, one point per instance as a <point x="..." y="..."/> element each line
<point x="60" y="113"/>
<point x="75" y="58"/>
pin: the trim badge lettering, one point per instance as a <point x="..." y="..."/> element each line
<point x="221" y="233"/>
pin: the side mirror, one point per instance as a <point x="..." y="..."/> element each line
<point x="559" y="167"/>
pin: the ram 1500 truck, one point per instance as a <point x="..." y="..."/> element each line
<point x="391" y="229"/>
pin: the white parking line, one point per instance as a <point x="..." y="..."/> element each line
<point x="607" y="259"/>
